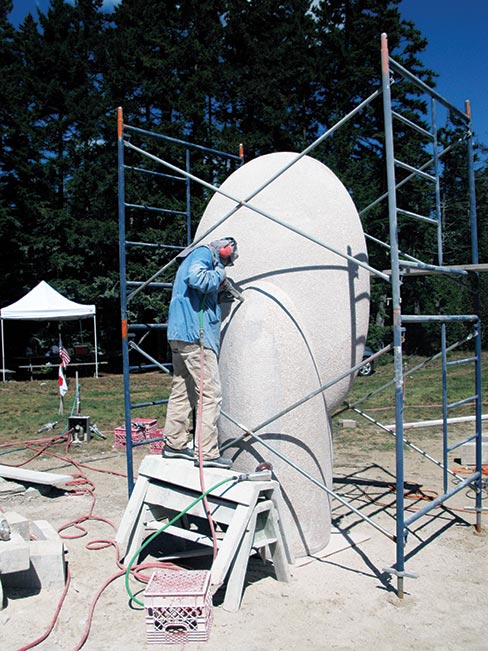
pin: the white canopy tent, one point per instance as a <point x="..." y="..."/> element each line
<point x="43" y="303"/>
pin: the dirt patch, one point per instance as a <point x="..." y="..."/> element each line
<point x="343" y="599"/>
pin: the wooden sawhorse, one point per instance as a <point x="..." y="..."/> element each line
<point x="249" y="515"/>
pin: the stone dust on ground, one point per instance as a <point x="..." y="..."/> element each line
<point x="343" y="599"/>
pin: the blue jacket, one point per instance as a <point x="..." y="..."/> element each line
<point x="196" y="286"/>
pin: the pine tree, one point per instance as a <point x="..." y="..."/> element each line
<point x="273" y="75"/>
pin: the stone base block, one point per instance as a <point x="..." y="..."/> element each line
<point x="14" y="555"/>
<point x="46" y="567"/>
<point x="468" y="451"/>
<point x="18" y="523"/>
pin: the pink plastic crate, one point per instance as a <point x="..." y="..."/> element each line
<point x="138" y="434"/>
<point x="157" y="446"/>
<point x="178" y="607"/>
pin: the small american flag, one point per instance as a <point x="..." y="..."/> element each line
<point x="65" y="358"/>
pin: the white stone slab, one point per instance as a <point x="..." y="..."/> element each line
<point x="34" y="476"/>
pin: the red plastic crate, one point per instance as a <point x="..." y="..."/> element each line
<point x="157" y="446"/>
<point x="138" y="434"/>
<point x="178" y="607"/>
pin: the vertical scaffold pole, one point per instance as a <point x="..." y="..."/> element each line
<point x="397" y="324"/>
<point x="472" y="192"/>
<point x="475" y="260"/>
<point x="479" y="430"/>
<point x="440" y="261"/>
<point x="123" y="299"/>
<point x="188" y="198"/>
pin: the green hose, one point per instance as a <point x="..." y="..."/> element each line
<point x="168" y="524"/>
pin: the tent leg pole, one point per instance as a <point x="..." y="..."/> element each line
<point x="3" y="356"/>
<point x="96" y="344"/>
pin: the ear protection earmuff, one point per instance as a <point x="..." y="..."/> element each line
<point x="227" y="250"/>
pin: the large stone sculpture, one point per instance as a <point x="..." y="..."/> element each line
<point x="302" y="324"/>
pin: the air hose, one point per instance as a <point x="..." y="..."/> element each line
<point x="199" y="430"/>
<point x="165" y="526"/>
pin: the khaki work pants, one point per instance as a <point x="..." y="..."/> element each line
<point x="185" y="396"/>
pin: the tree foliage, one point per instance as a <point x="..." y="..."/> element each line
<point x="272" y="75"/>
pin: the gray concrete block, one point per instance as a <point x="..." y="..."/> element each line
<point x="14" y="554"/>
<point x="348" y="423"/>
<point x="43" y="530"/>
<point x="47" y="567"/>
<point x="18" y="523"/>
<point x="38" y="563"/>
<point x="468" y="451"/>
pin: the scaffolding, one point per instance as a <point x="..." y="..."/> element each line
<point x="402" y="264"/>
<point x="130" y="288"/>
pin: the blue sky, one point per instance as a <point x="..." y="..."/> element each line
<point x="23" y="7"/>
<point x="457" y="32"/>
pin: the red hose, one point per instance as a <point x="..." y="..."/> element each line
<point x="200" y="458"/>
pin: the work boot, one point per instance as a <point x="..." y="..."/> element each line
<point x="172" y="453"/>
<point x="219" y="462"/>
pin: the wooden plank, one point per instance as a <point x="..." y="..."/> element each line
<point x="231" y="543"/>
<point x="253" y="538"/>
<point x="33" y="476"/>
<point x="136" y="536"/>
<point x="283" y="524"/>
<point x="178" y="499"/>
<point x="179" y="532"/>
<point x="132" y="512"/>
<point x="181" y="473"/>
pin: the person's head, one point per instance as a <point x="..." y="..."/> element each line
<point x="226" y="249"/>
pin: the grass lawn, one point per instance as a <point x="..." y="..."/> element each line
<point x="28" y="405"/>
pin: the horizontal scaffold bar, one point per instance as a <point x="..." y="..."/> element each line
<point x="153" y="285"/>
<point x="155" y="245"/>
<point x="457" y="362"/>
<point x="177" y="141"/>
<point x="438" y="318"/>
<point x="137" y="206"/>
<point x="441" y="499"/>
<point x="433" y="267"/>
<point x="427" y="89"/>
<point x="142" y="367"/>
<point x="465" y="401"/>
<point x="401" y="183"/>
<point x="147" y="326"/>
<point x="154" y="173"/>
<point x="140" y="405"/>
<point x="414" y="215"/>
<point x="463" y="442"/>
<point x="425" y="269"/>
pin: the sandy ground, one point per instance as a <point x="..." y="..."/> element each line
<point x="342" y="600"/>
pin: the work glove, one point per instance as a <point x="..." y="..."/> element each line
<point x="228" y="292"/>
